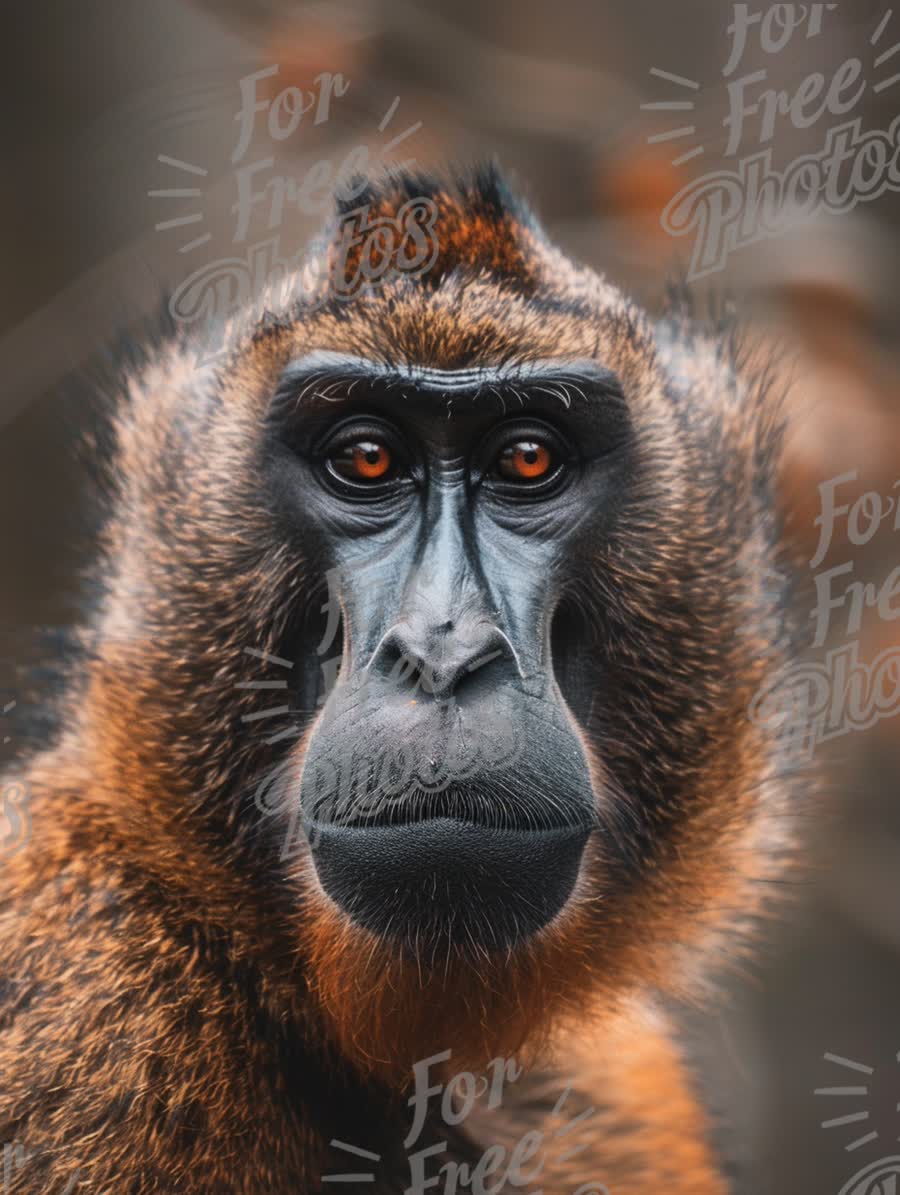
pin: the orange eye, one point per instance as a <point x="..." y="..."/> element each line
<point x="526" y="460"/>
<point x="367" y="460"/>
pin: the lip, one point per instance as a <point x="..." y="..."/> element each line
<point x="454" y="802"/>
<point x="446" y="880"/>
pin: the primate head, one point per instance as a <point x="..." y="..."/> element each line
<point x="533" y="530"/>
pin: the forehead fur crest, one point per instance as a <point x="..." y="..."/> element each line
<point x="479" y="224"/>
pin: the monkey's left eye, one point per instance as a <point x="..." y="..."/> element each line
<point x="363" y="461"/>
<point x="524" y="460"/>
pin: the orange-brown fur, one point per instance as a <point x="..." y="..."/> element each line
<point x="184" y="1011"/>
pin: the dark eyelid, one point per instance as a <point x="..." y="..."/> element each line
<point x="513" y="431"/>
<point x="359" y="426"/>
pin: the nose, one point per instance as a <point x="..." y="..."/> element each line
<point x="445" y="660"/>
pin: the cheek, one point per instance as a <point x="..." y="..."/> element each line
<point x="277" y="801"/>
<point x="366" y="594"/>
<point x="525" y="581"/>
<point x="575" y="653"/>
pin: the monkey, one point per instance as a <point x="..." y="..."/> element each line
<point x="535" y="527"/>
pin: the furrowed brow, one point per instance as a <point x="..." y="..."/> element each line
<point x="321" y="379"/>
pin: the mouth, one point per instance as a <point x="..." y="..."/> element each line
<point x="448" y="828"/>
<point x="485" y="806"/>
<point x="444" y="881"/>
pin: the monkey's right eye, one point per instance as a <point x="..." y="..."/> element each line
<point x="364" y="462"/>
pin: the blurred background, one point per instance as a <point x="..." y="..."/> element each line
<point x="604" y="110"/>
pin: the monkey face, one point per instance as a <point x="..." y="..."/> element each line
<point x="447" y="787"/>
<point x="545" y="524"/>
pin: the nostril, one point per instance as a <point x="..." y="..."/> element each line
<point x="483" y="674"/>
<point x="472" y="661"/>
<point x="400" y="666"/>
